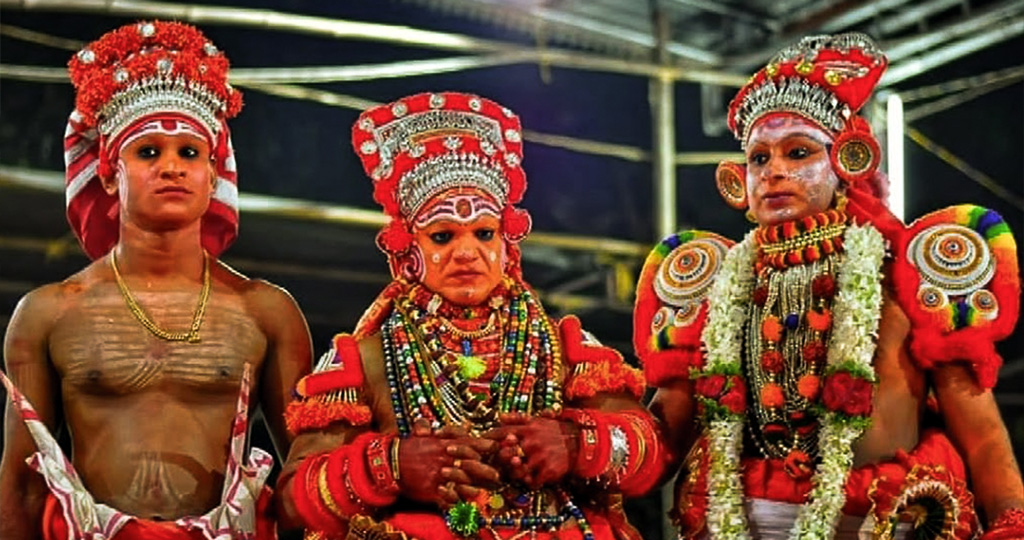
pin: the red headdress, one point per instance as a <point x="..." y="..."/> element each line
<point x="825" y="79"/>
<point x="426" y="144"/>
<point x="139" y="72"/>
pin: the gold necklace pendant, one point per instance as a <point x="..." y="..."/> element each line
<point x="192" y="335"/>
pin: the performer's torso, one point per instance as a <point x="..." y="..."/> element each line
<point x="150" y="419"/>
<point x="899" y="396"/>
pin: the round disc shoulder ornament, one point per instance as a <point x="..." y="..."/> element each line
<point x="955" y="264"/>
<point x="684" y="278"/>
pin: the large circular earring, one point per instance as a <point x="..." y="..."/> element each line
<point x="855" y="155"/>
<point x="731" y="180"/>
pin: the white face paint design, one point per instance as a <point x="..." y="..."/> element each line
<point x="789" y="172"/>
<point x="414" y="268"/>
<point x="460" y="208"/>
<point x="122" y="171"/>
<point x="164" y="126"/>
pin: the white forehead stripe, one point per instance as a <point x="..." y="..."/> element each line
<point x="163" y="127"/>
<point x="462" y="208"/>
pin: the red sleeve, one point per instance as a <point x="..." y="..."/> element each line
<point x="956" y="276"/>
<point x="671" y="303"/>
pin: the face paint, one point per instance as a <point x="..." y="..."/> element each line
<point x="164" y="177"/>
<point x="163" y="126"/>
<point x="789" y="173"/>
<point x="461" y="236"/>
<point x="457" y="207"/>
<point x="412" y="267"/>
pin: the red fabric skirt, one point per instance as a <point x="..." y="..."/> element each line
<point x="56" y="528"/>
<point x="877" y="484"/>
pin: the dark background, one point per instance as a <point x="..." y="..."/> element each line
<point x="300" y="150"/>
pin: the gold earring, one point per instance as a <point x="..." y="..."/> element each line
<point x="750" y="216"/>
<point x="841" y="201"/>
<point x="730" y="179"/>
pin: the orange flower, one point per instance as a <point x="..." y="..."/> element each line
<point x="819" y="320"/>
<point x="771" y="329"/>
<point x="772" y="396"/>
<point x="809" y="386"/>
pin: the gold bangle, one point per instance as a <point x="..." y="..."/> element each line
<point x="394" y="458"/>
<point x="325" y="493"/>
<point x="641" y="444"/>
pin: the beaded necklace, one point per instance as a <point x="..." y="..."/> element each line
<point x="429" y="380"/>
<point x="787" y="329"/>
<point x="422" y="346"/>
<point x="848" y="356"/>
<point x="801" y="241"/>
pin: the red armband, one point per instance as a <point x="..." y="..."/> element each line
<point x="314" y="509"/>
<point x="337" y="483"/>
<point x="370" y="489"/>
<point x="621" y="450"/>
<point x="646" y="460"/>
<point x="332" y="393"/>
<point x="595" y="447"/>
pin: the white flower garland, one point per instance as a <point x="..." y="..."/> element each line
<point x="851" y="346"/>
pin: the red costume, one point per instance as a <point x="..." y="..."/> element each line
<point x="458" y="156"/>
<point x="775" y="332"/>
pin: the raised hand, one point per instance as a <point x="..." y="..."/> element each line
<point x="534" y="450"/>
<point x="444" y="466"/>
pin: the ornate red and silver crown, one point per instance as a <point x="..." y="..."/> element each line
<point x="825" y="79"/>
<point x="152" y="67"/>
<point x="423" y="145"/>
<point x="136" y="72"/>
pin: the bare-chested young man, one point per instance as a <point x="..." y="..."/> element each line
<point x="830" y="376"/>
<point x="147" y="354"/>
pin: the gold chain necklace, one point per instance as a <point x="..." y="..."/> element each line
<point x="469" y="334"/>
<point x="192" y="336"/>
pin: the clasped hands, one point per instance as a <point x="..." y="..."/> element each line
<point x="448" y="465"/>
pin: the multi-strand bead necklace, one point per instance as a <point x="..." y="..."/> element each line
<point x="511" y="362"/>
<point x="787" y="329"/>
<point x="431" y="379"/>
